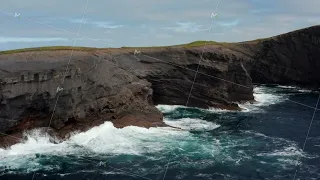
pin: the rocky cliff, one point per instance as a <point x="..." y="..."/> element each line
<point x="290" y="59"/>
<point x="76" y="90"/>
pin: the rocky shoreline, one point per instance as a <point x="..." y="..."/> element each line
<point x="101" y="85"/>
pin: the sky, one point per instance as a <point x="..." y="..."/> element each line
<point x="117" y="23"/>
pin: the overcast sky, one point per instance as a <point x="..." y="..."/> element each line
<point x="116" y="23"/>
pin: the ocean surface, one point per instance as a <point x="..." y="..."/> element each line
<point x="262" y="142"/>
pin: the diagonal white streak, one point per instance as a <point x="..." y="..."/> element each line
<point x="64" y="75"/>
<point x="217" y="5"/>
<point x="58" y="95"/>
<point x="314" y="112"/>
<point x="197" y="72"/>
<point x="133" y="174"/>
<point x="305" y="141"/>
<point x="194" y="79"/>
<point x="304" y="105"/>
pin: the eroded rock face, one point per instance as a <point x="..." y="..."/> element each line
<point x="92" y="90"/>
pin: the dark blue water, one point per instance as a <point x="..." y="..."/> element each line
<point x="263" y="142"/>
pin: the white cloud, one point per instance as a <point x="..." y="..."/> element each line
<point x="96" y="39"/>
<point x="107" y="25"/>
<point x="186" y="27"/>
<point x="260" y="10"/>
<point x="28" y="39"/>
<point x="230" y="23"/>
<point x="100" y="24"/>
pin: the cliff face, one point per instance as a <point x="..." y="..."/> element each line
<point x="94" y="90"/>
<point x="172" y="72"/>
<point x="114" y="85"/>
<point x="289" y="59"/>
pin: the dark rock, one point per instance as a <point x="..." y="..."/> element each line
<point x="92" y="93"/>
<point x="288" y="59"/>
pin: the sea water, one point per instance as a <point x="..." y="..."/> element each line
<point x="263" y="141"/>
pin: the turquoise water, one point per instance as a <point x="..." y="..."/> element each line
<point x="264" y="141"/>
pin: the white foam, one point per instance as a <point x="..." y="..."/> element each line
<point x="274" y="139"/>
<point x="101" y="139"/>
<point x="289" y="161"/>
<point x="37" y="142"/>
<point x="287" y="87"/>
<point x="305" y="90"/>
<point x="192" y="124"/>
<point x="129" y="140"/>
<point x="159" y="142"/>
<point x="264" y="97"/>
<point x="295" y="89"/>
<point x="287" y="151"/>
<point x="171" y="108"/>
<point x="168" y="108"/>
<point x="217" y="110"/>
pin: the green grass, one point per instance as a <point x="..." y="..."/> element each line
<point x="192" y="44"/>
<point x="49" y="48"/>
<point x="202" y="43"/>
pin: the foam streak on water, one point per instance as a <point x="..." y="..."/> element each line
<point x="192" y="124"/>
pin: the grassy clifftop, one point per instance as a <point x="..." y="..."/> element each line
<point x="188" y="45"/>
<point x="48" y="48"/>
